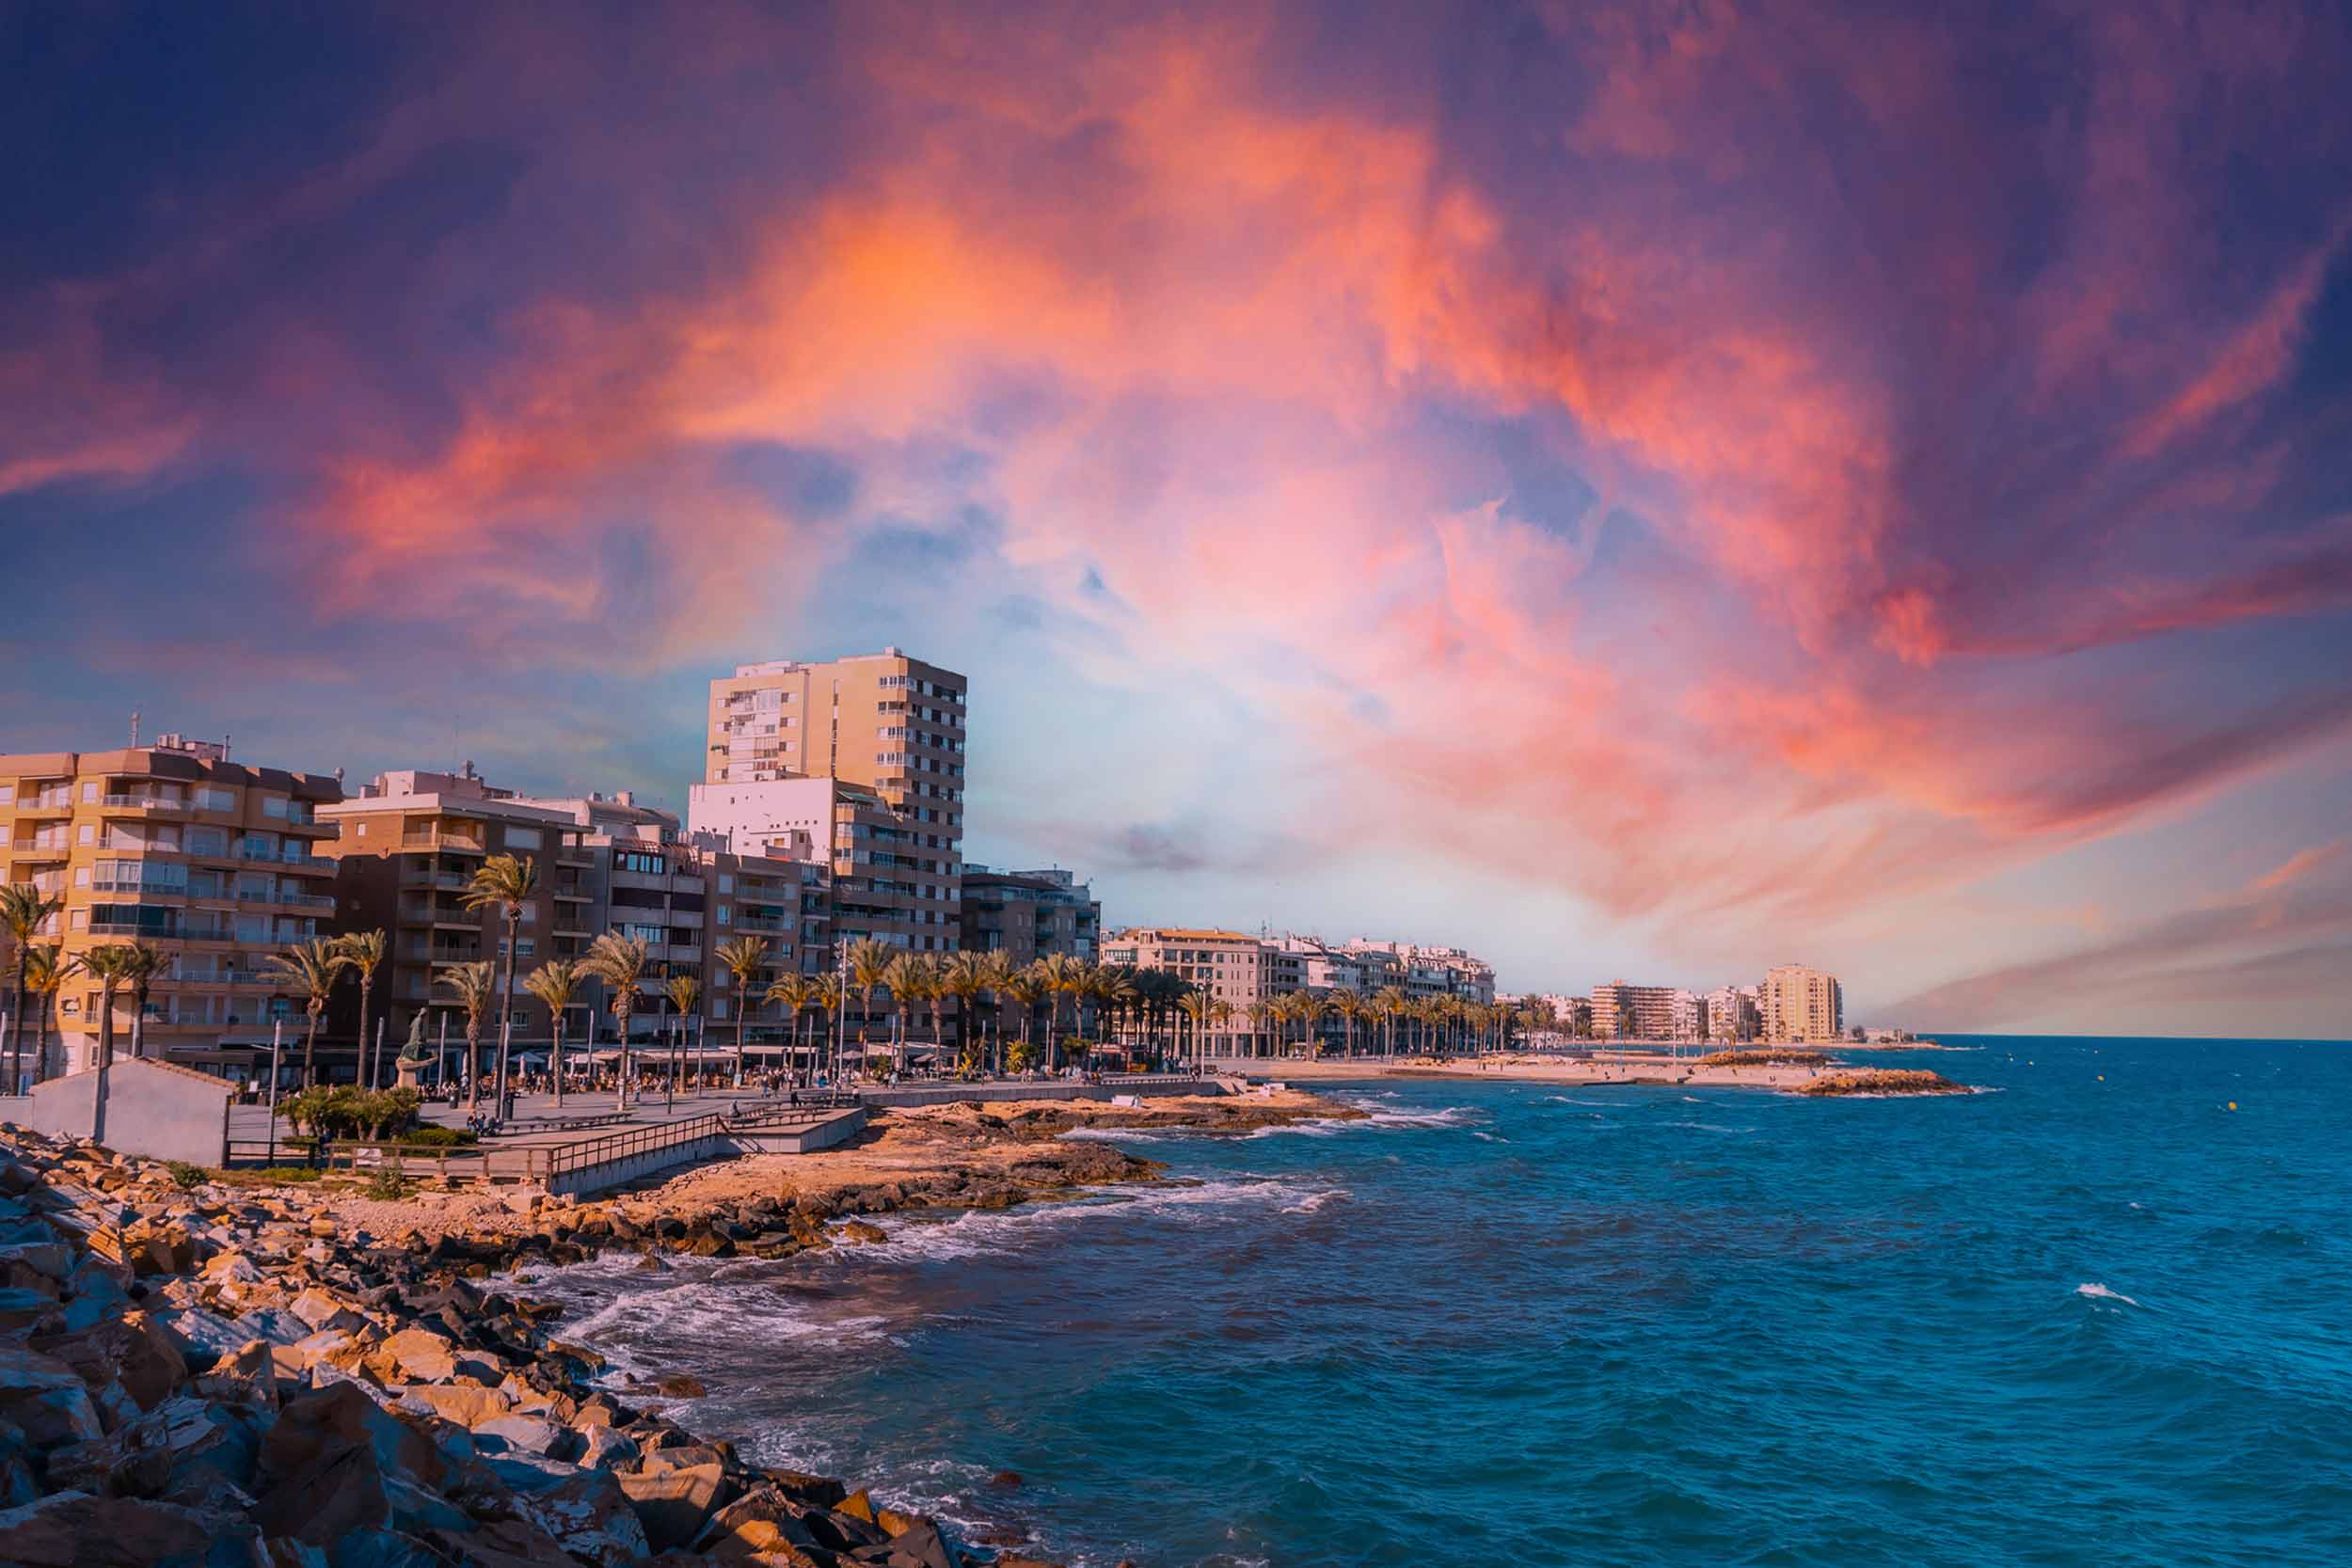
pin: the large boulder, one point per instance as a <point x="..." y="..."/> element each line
<point x="74" y="1530"/>
<point x="530" y="1434"/>
<point x="588" y="1514"/>
<point x="46" y="1399"/>
<point x="339" y="1473"/>
<point x="674" y="1505"/>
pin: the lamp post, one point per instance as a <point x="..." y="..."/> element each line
<point x="840" y="1006"/>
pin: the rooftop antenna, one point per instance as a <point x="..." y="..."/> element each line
<point x="135" y="729"/>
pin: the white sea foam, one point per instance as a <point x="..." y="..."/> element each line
<point x="976" y="1232"/>
<point x="1489" y="1137"/>
<point x="1314" y="1203"/>
<point x="2100" y="1293"/>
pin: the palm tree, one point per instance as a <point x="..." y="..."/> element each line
<point x="682" y="990"/>
<point x="24" y="910"/>
<point x="827" y="1001"/>
<point x="46" y="971"/>
<point x="869" y="966"/>
<point x="1390" y="1004"/>
<point x="1116" y="992"/>
<point x="742" y="959"/>
<point x="793" y="992"/>
<point x="619" y="961"/>
<point x="555" y="983"/>
<point x="143" y="966"/>
<point x="112" y="966"/>
<point x="503" y="881"/>
<point x="1064" y="976"/>
<point x="1350" y="1008"/>
<point x="1027" y="988"/>
<point x="1200" y="1007"/>
<point x="310" y="970"/>
<point x="909" y="979"/>
<point x="476" y="985"/>
<point x="365" y="951"/>
<point x="995" y="973"/>
<point x="961" y="979"/>
<point x="1263" y="1017"/>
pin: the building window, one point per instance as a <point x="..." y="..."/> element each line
<point x="724" y="914"/>
<point x="273" y="805"/>
<point x="522" y="838"/>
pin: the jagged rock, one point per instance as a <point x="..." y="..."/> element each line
<point x="74" y="1529"/>
<point x="45" y="1399"/>
<point x="674" y="1505"/>
<point x="679" y="1386"/>
<point x="859" y="1230"/>
<point x="466" y="1405"/>
<point x="531" y="1434"/>
<point x="608" y="1449"/>
<point x="921" y="1546"/>
<point x="420" y="1356"/>
<point x="247" y="1377"/>
<point x="320" y="1311"/>
<point x="588" y="1514"/>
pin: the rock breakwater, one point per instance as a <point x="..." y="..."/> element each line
<point x="197" y="1376"/>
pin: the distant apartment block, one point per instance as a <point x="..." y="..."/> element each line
<point x="210" y="861"/>
<point x="1027" y="915"/>
<point x="1652" y="1008"/>
<point x="1801" y="1004"/>
<point x="1229" y="966"/>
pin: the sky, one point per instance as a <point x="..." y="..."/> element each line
<point x="1640" y="491"/>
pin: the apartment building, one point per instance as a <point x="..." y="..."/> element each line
<point x="413" y="839"/>
<point x="210" y="861"/>
<point x="1801" y="1004"/>
<point x="1027" y="915"/>
<point x="1689" y="1014"/>
<point x="1228" y="965"/>
<point x="893" y="879"/>
<point x="1652" y="1007"/>
<point x="887" y="732"/>
<point x="1732" y="1013"/>
<point x="406" y="847"/>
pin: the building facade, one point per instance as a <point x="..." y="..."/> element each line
<point x="1652" y="1008"/>
<point x="1027" y="915"/>
<point x="411" y="840"/>
<point x="1801" y="1004"/>
<point x="1229" y="966"/>
<point x="213" y="863"/>
<point x="887" y="731"/>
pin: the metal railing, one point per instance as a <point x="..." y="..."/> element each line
<point x="587" y="1154"/>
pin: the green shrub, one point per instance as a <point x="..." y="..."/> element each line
<point x="437" y="1137"/>
<point x="284" y="1173"/>
<point x="389" y="1183"/>
<point x="188" y="1177"/>
<point x="345" y="1112"/>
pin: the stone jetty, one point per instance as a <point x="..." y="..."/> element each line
<point x="196" y="1375"/>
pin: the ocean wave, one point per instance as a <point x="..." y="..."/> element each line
<point x="976" y="1233"/>
<point x="1313" y="1204"/>
<point x="2100" y="1293"/>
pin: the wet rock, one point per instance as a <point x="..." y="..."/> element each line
<point x="679" y="1386"/>
<point x="530" y="1434"/>
<point x="1005" y="1480"/>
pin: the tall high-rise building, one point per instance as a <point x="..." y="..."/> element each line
<point x="209" y="862"/>
<point x="865" y="757"/>
<point x="1801" y="1004"/>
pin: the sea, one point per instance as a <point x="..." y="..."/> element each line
<point x="2098" y="1313"/>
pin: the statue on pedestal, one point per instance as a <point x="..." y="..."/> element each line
<point x="413" y="1056"/>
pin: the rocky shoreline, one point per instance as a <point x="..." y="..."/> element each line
<point x="1882" y="1080"/>
<point x="196" y="1374"/>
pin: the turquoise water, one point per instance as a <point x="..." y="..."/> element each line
<point x="2072" y="1320"/>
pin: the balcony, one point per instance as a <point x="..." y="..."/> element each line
<point x="585" y="860"/>
<point x="42" y="846"/>
<point x="451" y="881"/>
<point x="142" y="803"/>
<point x="454" y="842"/>
<point x="306" y="862"/>
<point x="306" y="900"/>
<point x="55" y="802"/>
